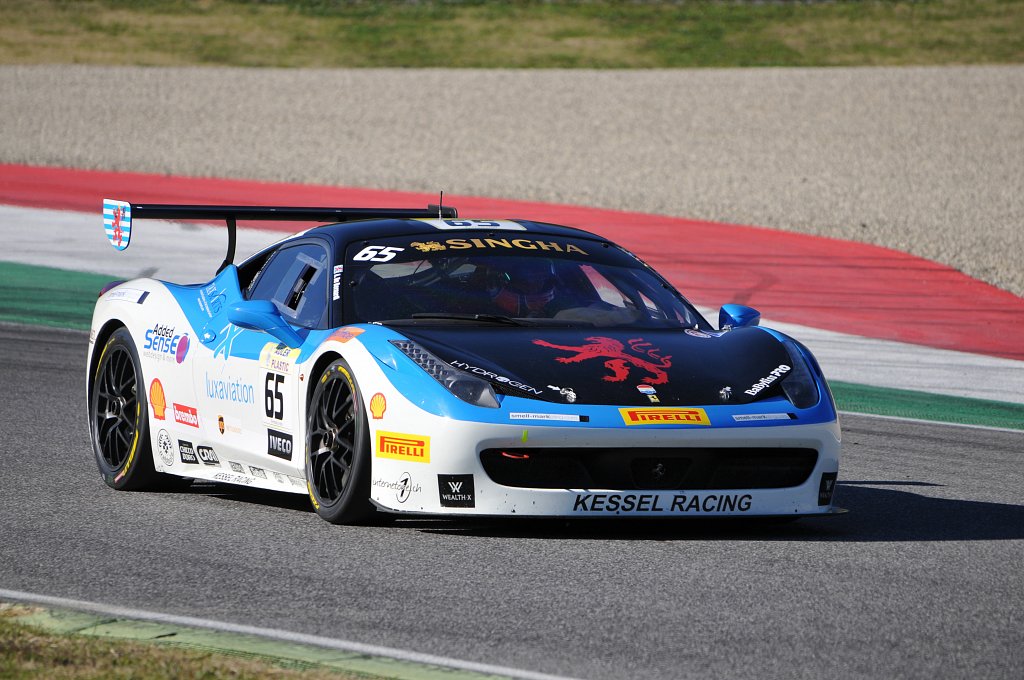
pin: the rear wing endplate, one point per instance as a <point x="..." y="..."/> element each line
<point x="118" y="216"/>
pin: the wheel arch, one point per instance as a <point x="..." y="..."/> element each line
<point x="102" y="336"/>
<point x="319" y="366"/>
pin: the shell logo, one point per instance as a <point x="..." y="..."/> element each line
<point x="157" y="399"/>
<point x="378" y="404"/>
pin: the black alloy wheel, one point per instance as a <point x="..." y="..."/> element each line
<point x="338" y="449"/>
<point x="119" y="416"/>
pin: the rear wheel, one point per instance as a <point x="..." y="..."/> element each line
<point x="338" y="449"/>
<point x="119" y="420"/>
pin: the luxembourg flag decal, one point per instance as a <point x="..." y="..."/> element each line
<point x="117" y="222"/>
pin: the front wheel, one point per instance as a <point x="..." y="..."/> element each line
<point x="338" y="449"/>
<point x="118" y="414"/>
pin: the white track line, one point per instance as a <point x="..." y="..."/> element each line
<point x="274" y="634"/>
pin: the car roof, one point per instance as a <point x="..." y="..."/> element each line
<point x="340" y="234"/>
<point x="347" y="232"/>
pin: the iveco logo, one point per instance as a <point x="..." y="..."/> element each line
<point x="279" y="444"/>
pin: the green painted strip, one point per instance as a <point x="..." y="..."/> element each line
<point x="287" y="654"/>
<point x="927" y="406"/>
<point x="48" y="297"/>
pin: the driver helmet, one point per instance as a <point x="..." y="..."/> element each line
<point x="524" y="285"/>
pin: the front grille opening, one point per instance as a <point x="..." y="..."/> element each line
<point x="683" y="469"/>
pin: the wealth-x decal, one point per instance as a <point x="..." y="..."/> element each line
<point x="618" y="360"/>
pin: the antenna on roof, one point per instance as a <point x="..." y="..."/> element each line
<point x="440" y="204"/>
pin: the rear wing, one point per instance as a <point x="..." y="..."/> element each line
<point x="118" y="216"/>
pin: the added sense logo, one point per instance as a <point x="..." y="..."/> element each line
<point x="161" y="342"/>
<point x="279" y="444"/>
<point x="456" y="491"/>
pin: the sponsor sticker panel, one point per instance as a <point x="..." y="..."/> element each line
<point x="207" y="455"/>
<point x="378" y="406"/>
<point x="165" y="447"/>
<point x="456" y="491"/>
<point x="403" y="487"/>
<point x="400" y="446"/>
<point x="278" y="357"/>
<point x="163" y="343"/>
<point x="680" y="503"/>
<point x="279" y="444"/>
<point x="187" y="452"/>
<point x="186" y="415"/>
<point x="157" y="399"/>
<point x="768" y="380"/>
<point x="664" y="416"/>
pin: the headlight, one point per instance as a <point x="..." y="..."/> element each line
<point x="466" y="387"/>
<point x="799" y="385"/>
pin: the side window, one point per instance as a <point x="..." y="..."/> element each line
<point x="295" y="280"/>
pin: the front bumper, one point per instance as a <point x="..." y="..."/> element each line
<point x="448" y="477"/>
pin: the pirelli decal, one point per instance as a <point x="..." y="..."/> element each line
<point x="664" y="416"/>
<point x="412" y="448"/>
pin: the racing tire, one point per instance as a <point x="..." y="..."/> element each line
<point x="338" y="449"/>
<point x="119" y="417"/>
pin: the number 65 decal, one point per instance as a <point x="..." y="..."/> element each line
<point x="273" y="400"/>
<point x="377" y="254"/>
<point x="472" y="223"/>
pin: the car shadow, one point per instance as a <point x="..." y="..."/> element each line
<point x="874" y="514"/>
<point x="241" y="494"/>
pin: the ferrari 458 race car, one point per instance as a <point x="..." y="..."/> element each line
<point x="411" y="362"/>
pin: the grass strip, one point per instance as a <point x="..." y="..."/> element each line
<point x="521" y="34"/>
<point x="29" y="649"/>
<point x="46" y="296"/>
<point x="52" y="643"/>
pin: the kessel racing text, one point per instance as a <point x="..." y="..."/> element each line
<point x="650" y="502"/>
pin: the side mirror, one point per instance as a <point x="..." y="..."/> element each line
<point x="737" y="316"/>
<point x="262" y="315"/>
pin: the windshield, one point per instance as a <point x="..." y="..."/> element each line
<point x="533" y="279"/>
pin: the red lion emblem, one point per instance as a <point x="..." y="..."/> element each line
<point x="618" y="361"/>
<point x="118" y="233"/>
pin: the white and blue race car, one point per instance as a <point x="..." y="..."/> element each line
<point x="411" y="362"/>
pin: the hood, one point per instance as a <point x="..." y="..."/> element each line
<point x="614" y="367"/>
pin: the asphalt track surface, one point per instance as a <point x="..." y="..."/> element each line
<point x="921" y="579"/>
